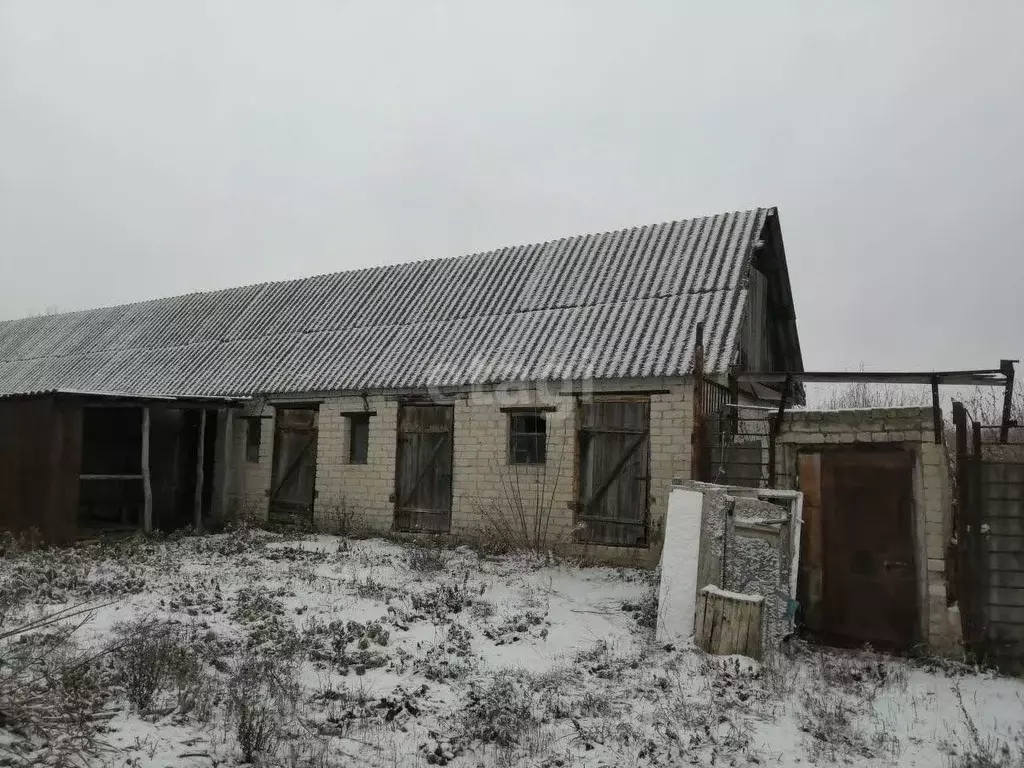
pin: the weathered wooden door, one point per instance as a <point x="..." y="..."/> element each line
<point x="293" y="479"/>
<point x="614" y="480"/>
<point x="423" y="468"/>
<point x="870" y="577"/>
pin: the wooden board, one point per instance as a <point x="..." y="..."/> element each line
<point x="293" y="478"/>
<point x="811" y="571"/>
<point x="728" y="623"/>
<point x="423" y="468"/>
<point x="614" y="472"/>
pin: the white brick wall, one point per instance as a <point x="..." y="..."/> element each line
<point x="485" y="485"/>
<point x="913" y="428"/>
<point x="250" y="481"/>
<point x="355" y="496"/>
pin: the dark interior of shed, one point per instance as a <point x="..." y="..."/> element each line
<point x="111" y="495"/>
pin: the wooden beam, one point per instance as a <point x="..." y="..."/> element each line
<point x="990" y="377"/>
<point x="197" y="509"/>
<point x="147" y="485"/>
<point x="774" y="429"/>
<point x="225" y="485"/>
<point x="110" y="477"/>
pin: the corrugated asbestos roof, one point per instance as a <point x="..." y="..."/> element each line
<point x="612" y="305"/>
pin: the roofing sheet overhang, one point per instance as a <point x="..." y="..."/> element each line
<point x="196" y="401"/>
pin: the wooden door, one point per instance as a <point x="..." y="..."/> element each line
<point x="293" y="479"/>
<point x="614" y="479"/>
<point x="423" y="468"/>
<point x="870" y="576"/>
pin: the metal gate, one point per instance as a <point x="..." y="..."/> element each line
<point x="293" y="479"/>
<point x="423" y="468"/>
<point x="614" y="472"/>
<point x="988" y="558"/>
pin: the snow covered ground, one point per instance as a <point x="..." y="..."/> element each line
<point x="319" y="650"/>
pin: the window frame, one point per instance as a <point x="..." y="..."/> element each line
<point x="351" y="455"/>
<point x="539" y="438"/>
<point x="253" y="428"/>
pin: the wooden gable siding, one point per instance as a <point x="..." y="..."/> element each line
<point x="758" y="333"/>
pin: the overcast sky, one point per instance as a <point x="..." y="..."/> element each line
<point x="154" y="148"/>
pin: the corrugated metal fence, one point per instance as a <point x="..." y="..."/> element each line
<point x="989" y="545"/>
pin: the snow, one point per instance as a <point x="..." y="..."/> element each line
<point x="679" y="558"/>
<point x="711" y="589"/>
<point x="602" y="692"/>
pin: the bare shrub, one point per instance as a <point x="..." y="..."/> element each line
<point x="262" y="693"/>
<point x="863" y="395"/>
<point x="442" y="600"/>
<point x="51" y="691"/>
<point x="451" y="657"/>
<point x="523" y="522"/>
<point x="500" y="712"/>
<point x="428" y="557"/>
<point x="151" y="657"/>
<point x="340" y="518"/>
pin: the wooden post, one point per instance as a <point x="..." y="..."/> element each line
<point x="200" y="457"/>
<point x="1004" y="429"/>
<point x="147" y="486"/>
<point x="225" y="485"/>
<point x="958" y="584"/>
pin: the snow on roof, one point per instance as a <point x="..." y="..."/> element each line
<point x="613" y="305"/>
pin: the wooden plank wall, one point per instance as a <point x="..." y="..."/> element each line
<point x="40" y="459"/>
<point x="757" y="330"/>
<point x="812" y="555"/>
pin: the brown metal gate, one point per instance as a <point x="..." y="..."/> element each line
<point x="870" y="574"/>
<point x="989" y="541"/>
<point x="293" y="480"/>
<point x="614" y="472"/>
<point x="423" y="468"/>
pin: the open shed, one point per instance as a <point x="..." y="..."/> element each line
<point x="74" y="464"/>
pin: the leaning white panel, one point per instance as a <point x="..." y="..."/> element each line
<point x="677" y="597"/>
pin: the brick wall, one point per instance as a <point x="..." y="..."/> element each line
<point x="804" y="430"/>
<point x="249" y="481"/>
<point x="486" y="487"/>
<point x="355" y="496"/>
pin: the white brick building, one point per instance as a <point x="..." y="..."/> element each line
<point x="542" y="392"/>
<point x="543" y="395"/>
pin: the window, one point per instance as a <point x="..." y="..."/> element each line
<point x="358" y="437"/>
<point x="527" y="437"/>
<point x="253" y="433"/>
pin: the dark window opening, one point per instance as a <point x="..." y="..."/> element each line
<point x="358" y="438"/>
<point x="527" y="438"/>
<point x="253" y="435"/>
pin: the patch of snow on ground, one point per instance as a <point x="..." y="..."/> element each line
<point x="457" y="658"/>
